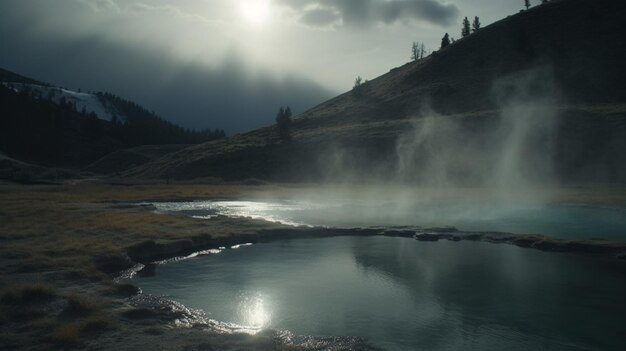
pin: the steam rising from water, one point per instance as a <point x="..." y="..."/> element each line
<point x="479" y="172"/>
<point x="508" y="152"/>
<point x="454" y="168"/>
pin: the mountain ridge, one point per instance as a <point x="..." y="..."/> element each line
<point x="50" y="126"/>
<point x="456" y="81"/>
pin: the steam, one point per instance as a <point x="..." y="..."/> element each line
<point x="508" y="151"/>
<point x="481" y="171"/>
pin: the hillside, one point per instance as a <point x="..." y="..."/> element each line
<point x="558" y="65"/>
<point x="8" y="76"/>
<point x="124" y="159"/>
<point x="52" y="126"/>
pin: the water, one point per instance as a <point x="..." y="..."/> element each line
<point x="558" y="221"/>
<point x="401" y="294"/>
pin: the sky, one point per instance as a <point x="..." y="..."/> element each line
<point x="226" y="64"/>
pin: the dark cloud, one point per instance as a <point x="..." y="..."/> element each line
<point x="320" y="17"/>
<point x="227" y="96"/>
<point x="363" y="13"/>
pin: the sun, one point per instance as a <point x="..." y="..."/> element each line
<point x="255" y="11"/>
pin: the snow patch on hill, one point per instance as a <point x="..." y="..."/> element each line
<point x="84" y="101"/>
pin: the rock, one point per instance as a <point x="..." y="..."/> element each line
<point x="399" y="233"/>
<point x="112" y="263"/>
<point x="151" y="250"/>
<point x="126" y="290"/>
<point x="550" y="245"/>
<point x="140" y="251"/>
<point x="473" y="237"/>
<point x="427" y="237"/>
<point x="525" y="241"/>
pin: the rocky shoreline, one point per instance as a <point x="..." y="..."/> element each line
<point x="145" y="254"/>
<point x="150" y="251"/>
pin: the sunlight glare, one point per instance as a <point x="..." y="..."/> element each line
<point x="255" y="314"/>
<point x="255" y="11"/>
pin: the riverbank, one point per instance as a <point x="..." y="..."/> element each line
<point x="63" y="245"/>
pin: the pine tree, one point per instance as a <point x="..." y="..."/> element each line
<point x="283" y="122"/>
<point x="527" y="4"/>
<point x="422" y="51"/>
<point x="466" y="27"/>
<point x="415" y="51"/>
<point x="476" y="24"/>
<point x="445" y="41"/>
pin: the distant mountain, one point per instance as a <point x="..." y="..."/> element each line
<point x="8" y="76"/>
<point x="52" y="126"/>
<point x="83" y="102"/>
<point x="542" y="86"/>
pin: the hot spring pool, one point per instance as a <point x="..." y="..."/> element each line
<point x="557" y="221"/>
<point x="402" y="294"/>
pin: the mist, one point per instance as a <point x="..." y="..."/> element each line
<point x="510" y="149"/>
<point x="449" y="169"/>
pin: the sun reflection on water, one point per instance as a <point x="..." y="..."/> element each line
<point x="254" y="312"/>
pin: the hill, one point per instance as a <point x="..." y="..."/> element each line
<point x="84" y="102"/>
<point x="8" y="76"/>
<point x="538" y="92"/>
<point x="51" y="126"/>
<point x="121" y="160"/>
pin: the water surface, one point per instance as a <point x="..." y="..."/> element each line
<point x="557" y="220"/>
<point x="401" y="294"/>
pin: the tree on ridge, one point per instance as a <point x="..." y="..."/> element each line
<point x="445" y="41"/>
<point x="465" y="31"/>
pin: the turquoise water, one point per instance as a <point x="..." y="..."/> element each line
<point x="558" y="221"/>
<point x="402" y="294"/>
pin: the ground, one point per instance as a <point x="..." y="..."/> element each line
<point x="60" y="249"/>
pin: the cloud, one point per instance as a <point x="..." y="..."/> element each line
<point x="320" y="17"/>
<point x="367" y="13"/>
<point x="169" y="11"/>
<point x="102" y="5"/>
<point x="230" y="93"/>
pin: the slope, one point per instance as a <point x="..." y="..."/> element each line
<point x="571" y="50"/>
<point x="51" y="126"/>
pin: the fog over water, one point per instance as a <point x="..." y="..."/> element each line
<point x="511" y="152"/>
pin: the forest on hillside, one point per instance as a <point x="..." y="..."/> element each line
<point x="37" y="130"/>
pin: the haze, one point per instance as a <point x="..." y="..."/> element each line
<point x="224" y="63"/>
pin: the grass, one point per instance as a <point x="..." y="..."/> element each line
<point x="28" y="294"/>
<point x="79" y="306"/>
<point x="54" y="233"/>
<point x="74" y="332"/>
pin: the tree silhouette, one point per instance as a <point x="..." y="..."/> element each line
<point x="418" y="51"/>
<point x="465" y="31"/>
<point x="283" y="122"/>
<point x="476" y="24"/>
<point x="357" y="89"/>
<point x="445" y="41"/>
<point x="415" y="51"/>
<point x="357" y="82"/>
<point x="527" y="4"/>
